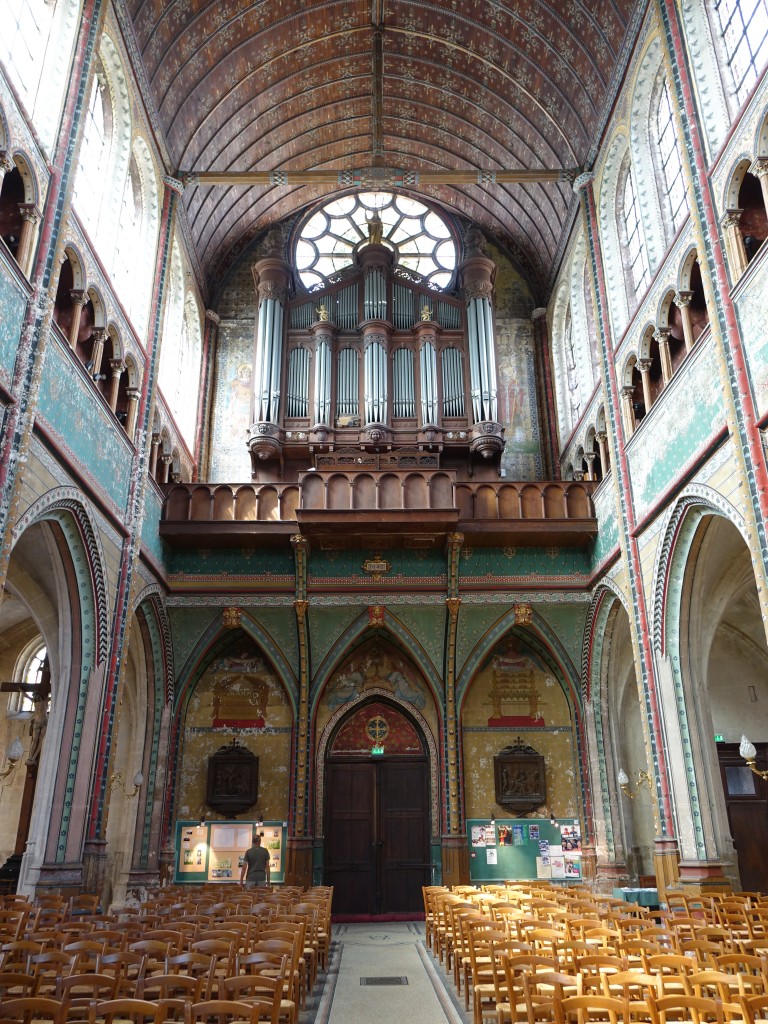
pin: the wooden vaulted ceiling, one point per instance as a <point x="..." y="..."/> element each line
<point x="335" y="85"/>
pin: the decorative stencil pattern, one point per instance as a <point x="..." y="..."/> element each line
<point x="12" y="306"/>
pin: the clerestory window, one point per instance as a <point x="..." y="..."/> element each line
<point x="744" y="29"/>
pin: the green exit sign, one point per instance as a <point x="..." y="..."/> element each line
<point x="718" y="738"/>
<point x="377" y="750"/>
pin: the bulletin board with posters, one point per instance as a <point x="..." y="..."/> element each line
<point x="525" y="849"/>
<point x="213" y="851"/>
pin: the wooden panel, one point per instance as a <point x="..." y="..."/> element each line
<point x="404" y="831"/>
<point x="746" y="801"/>
<point x="349" y="836"/>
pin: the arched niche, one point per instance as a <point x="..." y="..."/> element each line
<point x="238" y="694"/>
<point x="515" y="692"/>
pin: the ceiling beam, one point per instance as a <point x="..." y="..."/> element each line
<point x="380" y="177"/>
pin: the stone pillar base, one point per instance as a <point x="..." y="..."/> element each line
<point x="588" y="863"/>
<point x="298" y="864"/>
<point x="702" y="878"/>
<point x="610" y="875"/>
<point x="138" y="883"/>
<point x="455" y="860"/>
<point x="60" y="880"/>
<point x="665" y="862"/>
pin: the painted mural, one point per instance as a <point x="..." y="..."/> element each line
<point x="150" y="531"/>
<point x="377" y="725"/>
<point x="754" y="330"/>
<point x="683" y="420"/>
<point x="239" y="696"/>
<point x="12" y="306"/>
<point x="607" y="539"/>
<point x="230" y="461"/>
<point x="515" y="694"/>
<point x="68" y="406"/>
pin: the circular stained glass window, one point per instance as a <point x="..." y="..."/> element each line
<point x="421" y="241"/>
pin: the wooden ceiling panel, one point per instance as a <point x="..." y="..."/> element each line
<point x="289" y="86"/>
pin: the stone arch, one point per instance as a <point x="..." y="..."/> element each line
<point x="733" y="182"/>
<point x="761" y="138"/>
<point x="121" y="134"/>
<point x="5" y="134"/>
<point x="70" y="595"/>
<point x="25" y="168"/>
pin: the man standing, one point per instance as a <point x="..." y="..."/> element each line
<point x="256" y="864"/>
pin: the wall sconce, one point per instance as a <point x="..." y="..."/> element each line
<point x="117" y="781"/>
<point x="259" y="820"/>
<point x="643" y="779"/>
<point x="553" y="821"/>
<point x="748" y="752"/>
<point x="13" y="756"/>
<point x="492" y="820"/>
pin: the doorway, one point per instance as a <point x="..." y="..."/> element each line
<point x="377" y="834"/>
<point x="746" y="803"/>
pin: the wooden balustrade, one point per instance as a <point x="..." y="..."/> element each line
<point x="352" y="507"/>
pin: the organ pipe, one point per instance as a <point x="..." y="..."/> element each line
<point x="271" y="279"/>
<point x="428" y="378"/>
<point x="323" y="382"/>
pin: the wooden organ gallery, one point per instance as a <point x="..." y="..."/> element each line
<point x="383" y="456"/>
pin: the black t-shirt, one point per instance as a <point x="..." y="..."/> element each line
<point x="257" y="859"/>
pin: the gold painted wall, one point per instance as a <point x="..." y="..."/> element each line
<point x="514" y="695"/>
<point x="239" y="695"/>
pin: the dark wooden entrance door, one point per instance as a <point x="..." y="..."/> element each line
<point x="377" y="834"/>
<point x="746" y="801"/>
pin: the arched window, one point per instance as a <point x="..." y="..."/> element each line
<point x="28" y="670"/>
<point x="572" y="376"/>
<point x="128" y="247"/>
<point x="90" y="180"/>
<point x="635" y="241"/>
<point x="180" y="372"/>
<point x="674" y="198"/>
<point x="744" y="28"/>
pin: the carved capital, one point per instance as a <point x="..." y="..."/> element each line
<point x="478" y="290"/>
<point x="683" y="299"/>
<point x="270" y="290"/>
<point x="6" y="162"/>
<point x="644" y="365"/>
<point x="78" y="296"/>
<point x="661" y="335"/>
<point x="627" y="391"/>
<point x="589" y="457"/>
<point x="118" y="367"/>
<point x="166" y="459"/>
<point x="134" y="394"/>
<point x="455" y="539"/>
<point x="539" y="313"/>
<point x="156" y="439"/>
<point x="731" y="218"/>
<point x="213" y="317"/>
<point x="453" y="604"/>
<point x="30" y="213"/>
<point x="601" y="437"/>
<point x="759" y="168"/>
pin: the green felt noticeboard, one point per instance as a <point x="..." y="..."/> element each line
<point x="211" y="852"/>
<point x="524" y="848"/>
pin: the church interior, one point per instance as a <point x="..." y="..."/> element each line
<point x="384" y="393"/>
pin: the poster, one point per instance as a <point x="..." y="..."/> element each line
<point x="543" y="867"/>
<point x="557" y="863"/>
<point x="572" y="867"/>
<point x="533" y="833"/>
<point x="478" y="835"/>
<point x="491" y="855"/>
<point x="518" y="834"/>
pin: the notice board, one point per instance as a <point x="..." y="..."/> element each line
<point x="212" y="852"/>
<point x="525" y="849"/>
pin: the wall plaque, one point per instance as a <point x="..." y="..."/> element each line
<point x="520" y="778"/>
<point x="233" y="779"/>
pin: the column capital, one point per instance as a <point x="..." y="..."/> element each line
<point x="156" y="439"/>
<point x="539" y="313"/>
<point x="601" y="437"/>
<point x="99" y="334"/>
<point x="589" y="457"/>
<point x="684" y="298"/>
<point x="213" y="317"/>
<point x="731" y="218"/>
<point x="78" y="296"/>
<point x="31" y="212"/>
<point x="644" y="365"/>
<point x="759" y="168"/>
<point x="6" y="161"/>
<point x="661" y="335"/>
<point x="627" y="390"/>
<point x="166" y="459"/>
<point x="118" y="367"/>
<point x="582" y="181"/>
<point x="134" y="394"/>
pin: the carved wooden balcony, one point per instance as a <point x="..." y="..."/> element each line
<point x="379" y="508"/>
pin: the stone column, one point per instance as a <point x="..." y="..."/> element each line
<point x="589" y="458"/>
<point x="627" y="409"/>
<point x="760" y="170"/>
<point x="166" y="461"/>
<point x="683" y="303"/>
<point x="134" y="394"/>
<point x="734" y="243"/>
<point x="661" y="337"/>
<point x="153" y="455"/>
<point x="210" y="339"/>
<point x="99" y="337"/>
<point x="31" y="216"/>
<point x="602" y="439"/>
<point x="79" y="299"/>
<point x="118" y="368"/>
<point x="644" y="366"/>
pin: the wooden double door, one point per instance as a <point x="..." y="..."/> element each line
<point x="746" y="801"/>
<point x="377" y="834"/>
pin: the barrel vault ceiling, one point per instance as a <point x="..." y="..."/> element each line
<point x="298" y="86"/>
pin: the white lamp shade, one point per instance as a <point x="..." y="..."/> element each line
<point x="747" y="749"/>
<point x="622" y="777"/>
<point x="16" y="750"/>
<point x="138" y="779"/>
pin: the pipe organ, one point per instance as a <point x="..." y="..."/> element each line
<point x="375" y="361"/>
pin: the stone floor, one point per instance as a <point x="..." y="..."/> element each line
<point x="360" y="986"/>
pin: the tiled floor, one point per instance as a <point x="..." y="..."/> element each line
<point x="380" y="953"/>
